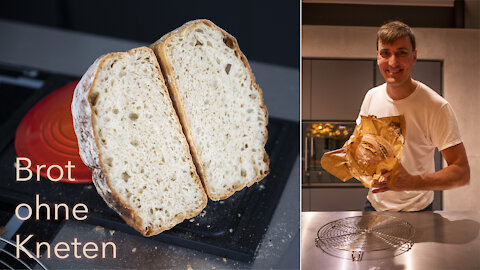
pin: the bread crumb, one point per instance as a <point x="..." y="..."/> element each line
<point x="203" y="213"/>
<point x="206" y="259"/>
<point x="189" y="267"/>
<point x="208" y="225"/>
<point x="230" y="230"/>
<point x="239" y="215"/>
<point x="224" y="260"/>
<point x="111" y="232"/>
<point x="89" y="187"/>
<point x="192" y="220"/>
<point x="221" y="202"/>
<point x="99" y="228"/>
<point x="134" y="249"/>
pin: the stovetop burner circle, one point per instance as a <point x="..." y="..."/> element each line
<point x="46" y="137"/>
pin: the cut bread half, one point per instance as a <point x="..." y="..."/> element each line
<point x="219" y="105"/>
<point x="130" y="136"/>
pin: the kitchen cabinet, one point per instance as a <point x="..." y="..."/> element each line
<point x="306" y="89"/>
<point x="338" y="87"/>
<point x="333" y="199"/>
<point x="306" y="199"/>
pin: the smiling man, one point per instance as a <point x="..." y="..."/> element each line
<point x="430" y="124"/>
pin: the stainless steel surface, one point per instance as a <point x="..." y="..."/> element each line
<point x="368" y="232"/>
<point x="442" y="240"/>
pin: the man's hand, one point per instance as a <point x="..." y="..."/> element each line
<point x="402" y="181"/>
<point x="381" y="185"/>
<point x="456" y="174"/>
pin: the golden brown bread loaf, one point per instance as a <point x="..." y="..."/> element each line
<point x="374" y="150"/>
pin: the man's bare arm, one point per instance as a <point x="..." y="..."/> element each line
<point x="456" y="174"/>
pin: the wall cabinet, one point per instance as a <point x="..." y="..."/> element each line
<point x="333" y="199"/>
<point x="338" y="88"/>
<point x="306" y="89"/>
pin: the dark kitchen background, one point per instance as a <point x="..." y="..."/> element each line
<point x="267" y="31"/>
<point x="339" y="66"/>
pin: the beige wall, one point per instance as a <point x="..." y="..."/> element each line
<point x="460" y="51"/>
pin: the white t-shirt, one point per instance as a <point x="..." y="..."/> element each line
<point x="430" y="123"/>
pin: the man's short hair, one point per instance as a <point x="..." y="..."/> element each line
<point x="390" y="32"/>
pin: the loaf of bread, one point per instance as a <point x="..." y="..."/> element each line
<point x="370" y="152"/>
<point x="375" y="149"/>
<point x="130" y="136"/>
<point x="219" y="105"/>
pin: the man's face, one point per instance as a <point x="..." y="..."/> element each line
<point x="395" y="61"/>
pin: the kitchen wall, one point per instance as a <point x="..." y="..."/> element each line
<point x="460" y="51"/>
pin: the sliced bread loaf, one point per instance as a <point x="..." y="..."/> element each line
<point x="219" y="105"/>
<point x="131" y="138"/>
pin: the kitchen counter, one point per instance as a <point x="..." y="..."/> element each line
<point x="71" y="53"/>
<point x="442" y="240"/>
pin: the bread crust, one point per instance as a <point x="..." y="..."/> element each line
<point x="370" y="151"/>
<point x="159" y="48"/>
<point x="89" y="146"/>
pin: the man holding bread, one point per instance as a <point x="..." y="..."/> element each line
<point x="430" y="122"/>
